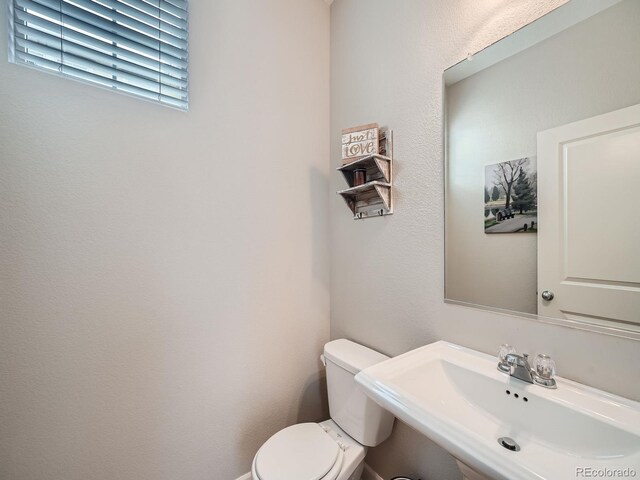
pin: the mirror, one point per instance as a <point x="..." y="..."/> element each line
<point x="577" y="62"/>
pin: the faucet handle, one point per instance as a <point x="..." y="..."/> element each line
<point x="505" y="349"/>
<point x="544" y="366"/>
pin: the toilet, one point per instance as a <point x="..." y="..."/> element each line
<point x="333" y="449"/>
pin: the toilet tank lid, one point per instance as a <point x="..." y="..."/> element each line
<point x="352" y="356"/>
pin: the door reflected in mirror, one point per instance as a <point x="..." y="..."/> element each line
<point x="505" y="231"/>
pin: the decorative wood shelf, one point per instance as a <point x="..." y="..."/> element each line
<point x="375" y="197"/>
<point x="378" y="168"/>
<point x="364" y="200"/>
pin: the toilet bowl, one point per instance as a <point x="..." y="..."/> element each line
<point x="319" y="451"/>
<point x="333" y="449"/>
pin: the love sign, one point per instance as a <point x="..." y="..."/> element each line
<point x="358" y="142"/>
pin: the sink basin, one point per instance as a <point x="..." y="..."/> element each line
<point x="457" y="397"/>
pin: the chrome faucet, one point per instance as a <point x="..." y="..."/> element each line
<point x="518" y="367"/>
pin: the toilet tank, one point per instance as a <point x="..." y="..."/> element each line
<point x="358" y="415"/>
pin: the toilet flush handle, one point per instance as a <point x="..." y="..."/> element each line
<point x="323" y="360"/>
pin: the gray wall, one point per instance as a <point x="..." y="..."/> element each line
<point x="387" y="274"/>
<point x="164" y="275"/>
<point x="494" y="116"/>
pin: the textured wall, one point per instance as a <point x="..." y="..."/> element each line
<point x="494" y="116"/>
<point x="387" y="274"/>
<point x="164" y="276"/>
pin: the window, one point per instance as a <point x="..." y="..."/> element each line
<point x="137" y="47"/>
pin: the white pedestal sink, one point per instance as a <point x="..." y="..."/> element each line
<point x="457" y="397"/>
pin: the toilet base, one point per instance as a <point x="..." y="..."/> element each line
<point x="357" y="473"/>
<point x="468" y="473"/>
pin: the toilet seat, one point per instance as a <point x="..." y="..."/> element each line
<point x="303" y="452"/>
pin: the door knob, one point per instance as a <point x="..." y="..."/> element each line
<point x="547" y="295"/>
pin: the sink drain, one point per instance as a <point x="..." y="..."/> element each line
<point x="509" y="444"/>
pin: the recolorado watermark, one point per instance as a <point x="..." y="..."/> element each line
<point x="591" y="472"/>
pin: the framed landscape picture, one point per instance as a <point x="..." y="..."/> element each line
<point x="511" y="196"/>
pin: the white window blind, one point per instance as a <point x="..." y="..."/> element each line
<point x="134" y="46"/>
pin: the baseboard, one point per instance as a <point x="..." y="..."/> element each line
<point x="369" y="474"/>
<point x="246" y="476"/>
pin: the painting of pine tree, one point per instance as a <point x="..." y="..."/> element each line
<point x="510" y="196"/>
